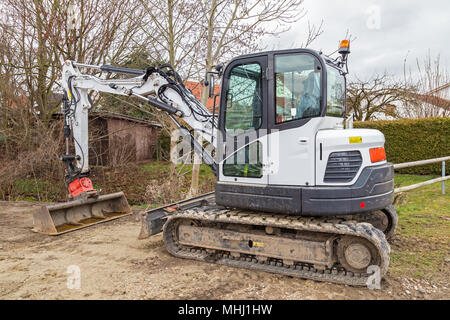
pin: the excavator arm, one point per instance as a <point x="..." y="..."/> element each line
<point x="162" y="88"/>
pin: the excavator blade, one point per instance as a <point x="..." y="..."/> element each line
<point x="77" y="214"/>
<point x="152" y="221"/>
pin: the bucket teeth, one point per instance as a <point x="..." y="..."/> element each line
<point x="72" y="215"/>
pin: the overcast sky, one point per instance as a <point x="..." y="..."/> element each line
<point x="387" y="32"/>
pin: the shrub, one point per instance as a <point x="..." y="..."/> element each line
<point x="413" y="140"/>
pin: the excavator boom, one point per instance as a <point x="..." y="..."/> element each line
<point x="86" y="206"/>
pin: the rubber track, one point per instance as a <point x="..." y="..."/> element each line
<point x="305" y="271"/>
<point x="390" y="213"/>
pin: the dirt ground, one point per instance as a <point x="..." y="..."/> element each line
<point x="115" y="265"/>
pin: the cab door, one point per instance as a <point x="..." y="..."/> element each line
<point x="243" y="122"/>
<point x="295" y="117"/>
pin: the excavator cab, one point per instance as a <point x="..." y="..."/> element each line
<point x="285" y="150"/>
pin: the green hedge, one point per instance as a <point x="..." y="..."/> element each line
<point x="416" y="139"/>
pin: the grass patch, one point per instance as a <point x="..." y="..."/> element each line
<point x="154" y="167"/>
<point x="423" y="213"/>
<point x="421" y="246"/>
<point x="35" y="190"/>
<point x="159" y="167"/>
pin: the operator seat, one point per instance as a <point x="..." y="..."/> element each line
<point x="310" y="101"/>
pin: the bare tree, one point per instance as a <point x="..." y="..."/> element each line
<point x="195" y="35"/>
<point x="171" y="31"/>
<point x="431" y="97"/>
<point x="377" y="97"/>
<point x="235" y="27"/>
<point x="192" y="35"/>
<point x="37" y="35"/>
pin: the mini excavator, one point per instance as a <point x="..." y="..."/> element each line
<point x="296" y="193"/>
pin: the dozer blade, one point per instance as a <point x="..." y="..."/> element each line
<point x="73" y="215"/>
<point x="152" y="221"/>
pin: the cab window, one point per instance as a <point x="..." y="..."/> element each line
<point x="246" y="163"/>
<point x="297" y="87"/>
<point x="244" y="99"/>
<point x="335" y="93"/>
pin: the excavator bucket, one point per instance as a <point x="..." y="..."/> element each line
<point x="73" y="215"/>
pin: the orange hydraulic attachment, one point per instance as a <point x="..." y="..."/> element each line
<point x="78" y="186"/>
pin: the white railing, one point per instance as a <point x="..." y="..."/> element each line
<point x="421" y="163"/>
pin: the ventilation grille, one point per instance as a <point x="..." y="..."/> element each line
<point x="342" y="166"/>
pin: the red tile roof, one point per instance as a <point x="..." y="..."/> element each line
<point x="197" y="90"/>
<point x="436" y="101"/>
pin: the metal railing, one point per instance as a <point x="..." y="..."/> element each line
<point x="421" y="163"/>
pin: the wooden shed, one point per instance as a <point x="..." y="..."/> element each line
<point x="117" y="139"/>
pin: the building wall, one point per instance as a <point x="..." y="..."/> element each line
<point x="146" y="140"/>
<point x="99" y="142"/>
<point x="130" y="141"/>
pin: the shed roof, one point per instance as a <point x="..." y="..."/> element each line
<point x="118" y="116"/>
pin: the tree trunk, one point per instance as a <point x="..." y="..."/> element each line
<point x="209" y="60"/>
<point x="197" y="159"/>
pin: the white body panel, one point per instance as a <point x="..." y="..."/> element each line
<point x="289" y="155"/>
<point x="292" y="157"/>
<point x="296" y="152"/>
<point x="338" y="141"/>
